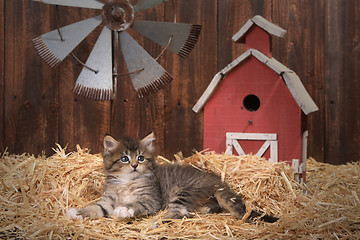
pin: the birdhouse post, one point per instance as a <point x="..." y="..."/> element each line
<point x="256" y="104"/>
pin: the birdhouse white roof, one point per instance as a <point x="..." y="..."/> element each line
<point x="260" y="22"/>
<point x="290" y="78"/>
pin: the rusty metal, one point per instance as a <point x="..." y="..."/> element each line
<point x="98" y="77"/>
<point x="153" y="77"/>
<point x="184" y="36"/>
<point x="57" y="23"/>
<point x="98" y="85"/>
<point x="53" y="50"/>
<point x="62" y="39"/>
<point x="83" y="64"/>
<point x="171" y="37"/>
<point x="129" y="73"/>
<point x="164" y="49"/>
<point x="118" y="15"/>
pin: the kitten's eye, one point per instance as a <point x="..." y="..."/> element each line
<point x="124" y="159"/>
<point x="141" y="159"/>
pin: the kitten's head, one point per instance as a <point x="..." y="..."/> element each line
<point x="128" y="156"/>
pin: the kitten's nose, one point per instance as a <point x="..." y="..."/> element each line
<point x="134" y="165"/>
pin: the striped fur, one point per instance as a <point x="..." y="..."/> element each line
<point x="136" y="186"/>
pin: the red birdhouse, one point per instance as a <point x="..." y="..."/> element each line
<point x="256" y="104"/>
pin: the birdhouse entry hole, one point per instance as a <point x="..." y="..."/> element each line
<point x="251" y="103"/>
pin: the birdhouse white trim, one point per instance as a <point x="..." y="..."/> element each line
<point x="262" y="23"/>
<point x="256" y="97"/>
<point x="232" y="141"/>
<point x="290" y="78"/>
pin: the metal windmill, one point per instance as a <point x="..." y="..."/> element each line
<point x="96" y="78"/>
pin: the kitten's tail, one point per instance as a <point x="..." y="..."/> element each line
<point x="265" y="218"/>
<point x="228" y="200"/>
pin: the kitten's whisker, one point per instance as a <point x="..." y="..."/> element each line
<point x="137" y="186"/>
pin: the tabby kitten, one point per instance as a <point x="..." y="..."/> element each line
<point x="136" y="186"/>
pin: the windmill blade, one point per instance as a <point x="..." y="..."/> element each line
<point x="97" y="85"/>
<point x="53" y="50"/>
<point x="147" y="75"/>
<point x="75" y="3"/>
<point x="145" y="4"/>
<point x="183" y="36"/>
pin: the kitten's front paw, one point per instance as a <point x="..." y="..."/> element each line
<point x="123" y="212"/>
<point x="72" y="213"/>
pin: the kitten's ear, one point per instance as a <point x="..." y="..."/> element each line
<point x="110" y="143"/>
<point x="148" y="142"/>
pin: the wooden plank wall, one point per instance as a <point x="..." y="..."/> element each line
<point x="2" y="75"/>
<point x="38" y="108"/>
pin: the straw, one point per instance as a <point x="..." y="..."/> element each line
<point x="37" y="191"/>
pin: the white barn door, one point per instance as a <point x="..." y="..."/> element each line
<point x="232" y="142"/>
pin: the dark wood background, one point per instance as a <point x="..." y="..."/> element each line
<point x="39" y="109"/>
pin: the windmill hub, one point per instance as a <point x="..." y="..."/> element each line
<point x="96" y="79"/>
<point x="118" y="15"/>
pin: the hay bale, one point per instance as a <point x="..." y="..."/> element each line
<point x="37" y="191"/>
